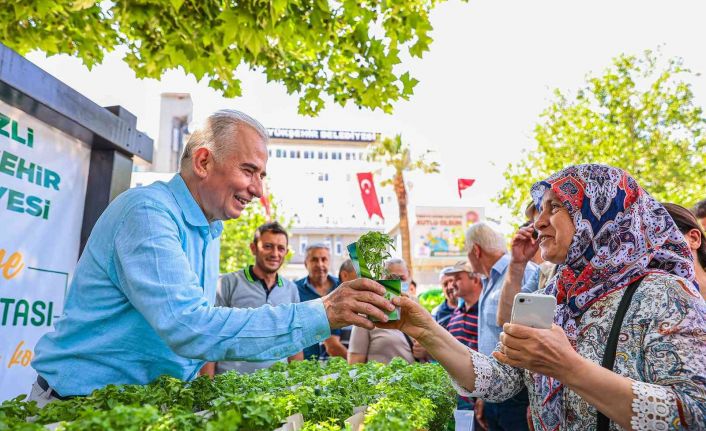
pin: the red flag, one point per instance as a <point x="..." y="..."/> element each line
<point x="367" y="192"/>
<point x="463" y="184"/>
<point x="265" y="201"/>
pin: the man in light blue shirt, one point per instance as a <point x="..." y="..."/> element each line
<point x="140" y="302"/>
<point x="487" y="253"/>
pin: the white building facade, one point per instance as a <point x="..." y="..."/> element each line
<point x="312" y="175"/>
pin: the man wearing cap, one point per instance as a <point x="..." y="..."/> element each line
<point x="463" y="323"/>
<point x="257" y="285"/>
<point x="443" y="311"/>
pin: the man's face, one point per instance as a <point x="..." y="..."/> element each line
<point x="447" y="286"/>
<point x="474" y="259"/>
<point x="234" y="180"/>
<point x="269" y="251"/>
<point x="466" y="285"/>
<point x="398" y="270"/>
<point x="317" y="262"/>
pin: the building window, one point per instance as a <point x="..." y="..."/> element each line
<point x="326" y="155"/>
<point x="278" y="153"/>
<point x="306" y="154"/>
<point x="327" y="243"/>
<point x="292" y="153"/>
<point x="348" y="156"/>
<point x="299" y="154"/>
<point x="302" y="245"/>
<point x="326" y="177"/>
<point x="339" y="248"/>
<point x="321" y="155"/>
<point x="321" y="200"/>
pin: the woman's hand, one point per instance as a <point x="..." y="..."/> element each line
<point x="544" y="351"/>
<point x="414" y="321"/>
<point x="523" y="246"/>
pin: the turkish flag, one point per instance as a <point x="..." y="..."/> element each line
<point x="463" y="184"/>
<point x="367" y="192"/>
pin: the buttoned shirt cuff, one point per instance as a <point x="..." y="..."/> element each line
<point x="314" y="321"/>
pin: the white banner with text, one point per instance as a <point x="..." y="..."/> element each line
<point x="43" y="175"/>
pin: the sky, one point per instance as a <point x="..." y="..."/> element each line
<point x="489" y="74"/>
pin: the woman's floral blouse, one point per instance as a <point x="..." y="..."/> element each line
<point x="661" y="347"/>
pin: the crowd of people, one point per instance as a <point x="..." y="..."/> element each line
<point x="627" y="273"/>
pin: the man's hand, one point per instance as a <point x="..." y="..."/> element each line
<point x="523" y="246"/>
<point x="480" y="417"/>
<point x="334" y="347"/>
<point x="345" y="305"/>
<point x="419" y="352"/>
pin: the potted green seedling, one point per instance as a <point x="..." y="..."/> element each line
<point x="368" y="255"/>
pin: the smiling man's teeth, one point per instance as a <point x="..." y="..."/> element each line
<point x="242" y="201"/>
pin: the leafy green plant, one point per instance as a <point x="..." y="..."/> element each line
<point x="401" y="396"/>
<point x="373" y="250"/>
<point x="392" y="415"/>
<point x="321" y="426"/>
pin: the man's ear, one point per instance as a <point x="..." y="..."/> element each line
<point x="253" y="248"/>
<point x="477" y="251"/>
<point x="202" y="162"/>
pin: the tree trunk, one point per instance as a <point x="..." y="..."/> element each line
<point x="401" y="192"/>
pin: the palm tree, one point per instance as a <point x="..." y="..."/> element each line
<point x="393" y="153"/>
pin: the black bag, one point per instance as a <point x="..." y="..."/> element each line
<point x="603" y="423"/>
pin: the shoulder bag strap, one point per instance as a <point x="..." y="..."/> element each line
<point x="603" y="423"/>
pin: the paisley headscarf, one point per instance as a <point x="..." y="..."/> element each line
<point x="622" y="234"/>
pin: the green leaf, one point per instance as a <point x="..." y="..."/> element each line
<point x="176" y="4"/>
<point x="319" y="50"/>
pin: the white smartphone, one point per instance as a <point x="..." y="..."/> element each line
<point x="534" y="310"/>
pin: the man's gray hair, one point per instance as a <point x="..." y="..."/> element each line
<point x="395" y="261"/>
<point x="218" y="128"/>
<point x="316" y="246"/>
<point x="485" y="237"/>
<point x="347" y="266"/>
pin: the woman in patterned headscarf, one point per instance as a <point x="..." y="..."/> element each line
<point x="605" y="233"/>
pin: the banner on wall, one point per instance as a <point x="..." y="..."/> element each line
<point x="43" y="175"/>
<point x="440" y="231"/>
